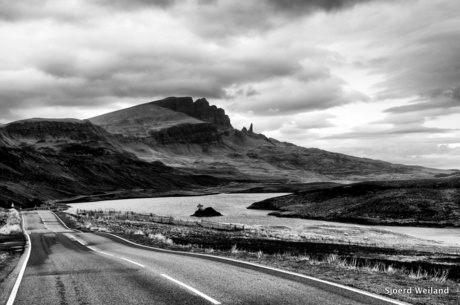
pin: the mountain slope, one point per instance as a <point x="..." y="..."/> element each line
<point x="214" y="147"/>
<point x="53" y="159"/>
<point x="141" y="120"/>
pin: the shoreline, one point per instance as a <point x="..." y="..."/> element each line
<point x="369" y="221"/>
<point x="126" y="195"/>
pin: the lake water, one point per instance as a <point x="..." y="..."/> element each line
<point x="234" y="209"/>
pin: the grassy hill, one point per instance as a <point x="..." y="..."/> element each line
<point x="54" y="159"/>
<point x="430" y="202"/>
<point x="140" y="120"/>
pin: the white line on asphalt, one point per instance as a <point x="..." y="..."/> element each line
<point x="96" y="250"/>
<point x="23" y="268"/>
<point x="192" y="289"/>
<point x="128" y="260"/>
<point x="81" y="242"/>
<point x="223" y="259"/>
<point x="44" y="224"/>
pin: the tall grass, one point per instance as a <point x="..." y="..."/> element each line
<point x="11" y="222"/>
<point x="161" y="238"/>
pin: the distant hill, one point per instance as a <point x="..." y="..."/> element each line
<point x="54" y="159"/>
<point x="428" y="202"/>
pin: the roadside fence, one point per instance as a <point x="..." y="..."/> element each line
<point x="249" y="230"/>
<point x="111" y="214"/>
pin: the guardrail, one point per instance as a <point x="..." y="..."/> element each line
<point x="128" y="215"/>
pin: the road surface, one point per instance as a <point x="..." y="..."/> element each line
<point x="68" y="267"/>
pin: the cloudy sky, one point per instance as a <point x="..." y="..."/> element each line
<point x="377" y="79"/>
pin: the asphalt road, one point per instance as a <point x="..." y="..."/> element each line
<point x="67" y="267"/>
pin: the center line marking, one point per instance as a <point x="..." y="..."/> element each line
<point x="109" y="254"/>
<point x="128" y="260"/>
<point x="192" y="289"/>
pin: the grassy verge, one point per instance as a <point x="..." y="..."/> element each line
<point x="10" y="234"/>
<point x="374" y="277"/>
<point x="8" y="262"/>
<point x="337" y="263"/>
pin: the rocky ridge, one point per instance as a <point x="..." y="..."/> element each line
<point x="200" y="109"/>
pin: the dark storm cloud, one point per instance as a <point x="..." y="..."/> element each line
<point x="222" y="19"/>
<point x="16" y="10"/>
<point x="13" y="11"/>
<point x="66" y="11"/>
<point x="296" y="96"/>
<point x="143" y="74"/>
<point x="162" y="73"/>
<point x="135" y="4"/>
<point x="300" y="7"/>
<point x="427" y="63"/>
<point x="390" y="132"/>
<point x="442" y="99"/>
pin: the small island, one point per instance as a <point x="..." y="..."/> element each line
<point x="208" y="212"/>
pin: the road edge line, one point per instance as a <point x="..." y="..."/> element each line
<point x="132" y="262"/>
<point x="225" y="259"/>
<point x="204" y="296"/>
<point x="15" y="289"/>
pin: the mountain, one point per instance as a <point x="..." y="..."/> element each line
<point x="427" y="202"/>
<point x="168" y="146"/>
<point x="50" y="159"/>
<point x="207" y="143"/>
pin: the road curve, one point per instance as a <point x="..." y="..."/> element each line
<point x="68" y="267"/>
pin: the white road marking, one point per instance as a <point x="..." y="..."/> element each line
<point x="128" y="260"/>
<point x="23" y="268"/>
<point x="72" y="237"/>
<point x="81" y="242"/>
<point x="192" y="289"/>
<point x="96" y="250"/>
<point x="223" y="259"/>
<point x="109" y="254"/>
<point x="44" y="224"/>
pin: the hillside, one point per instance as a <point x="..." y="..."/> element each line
<point x="212" y="146"/>
<point x="53" y="159"/>
<point x="429" y="202"/>
<point x="141" y="120"/>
